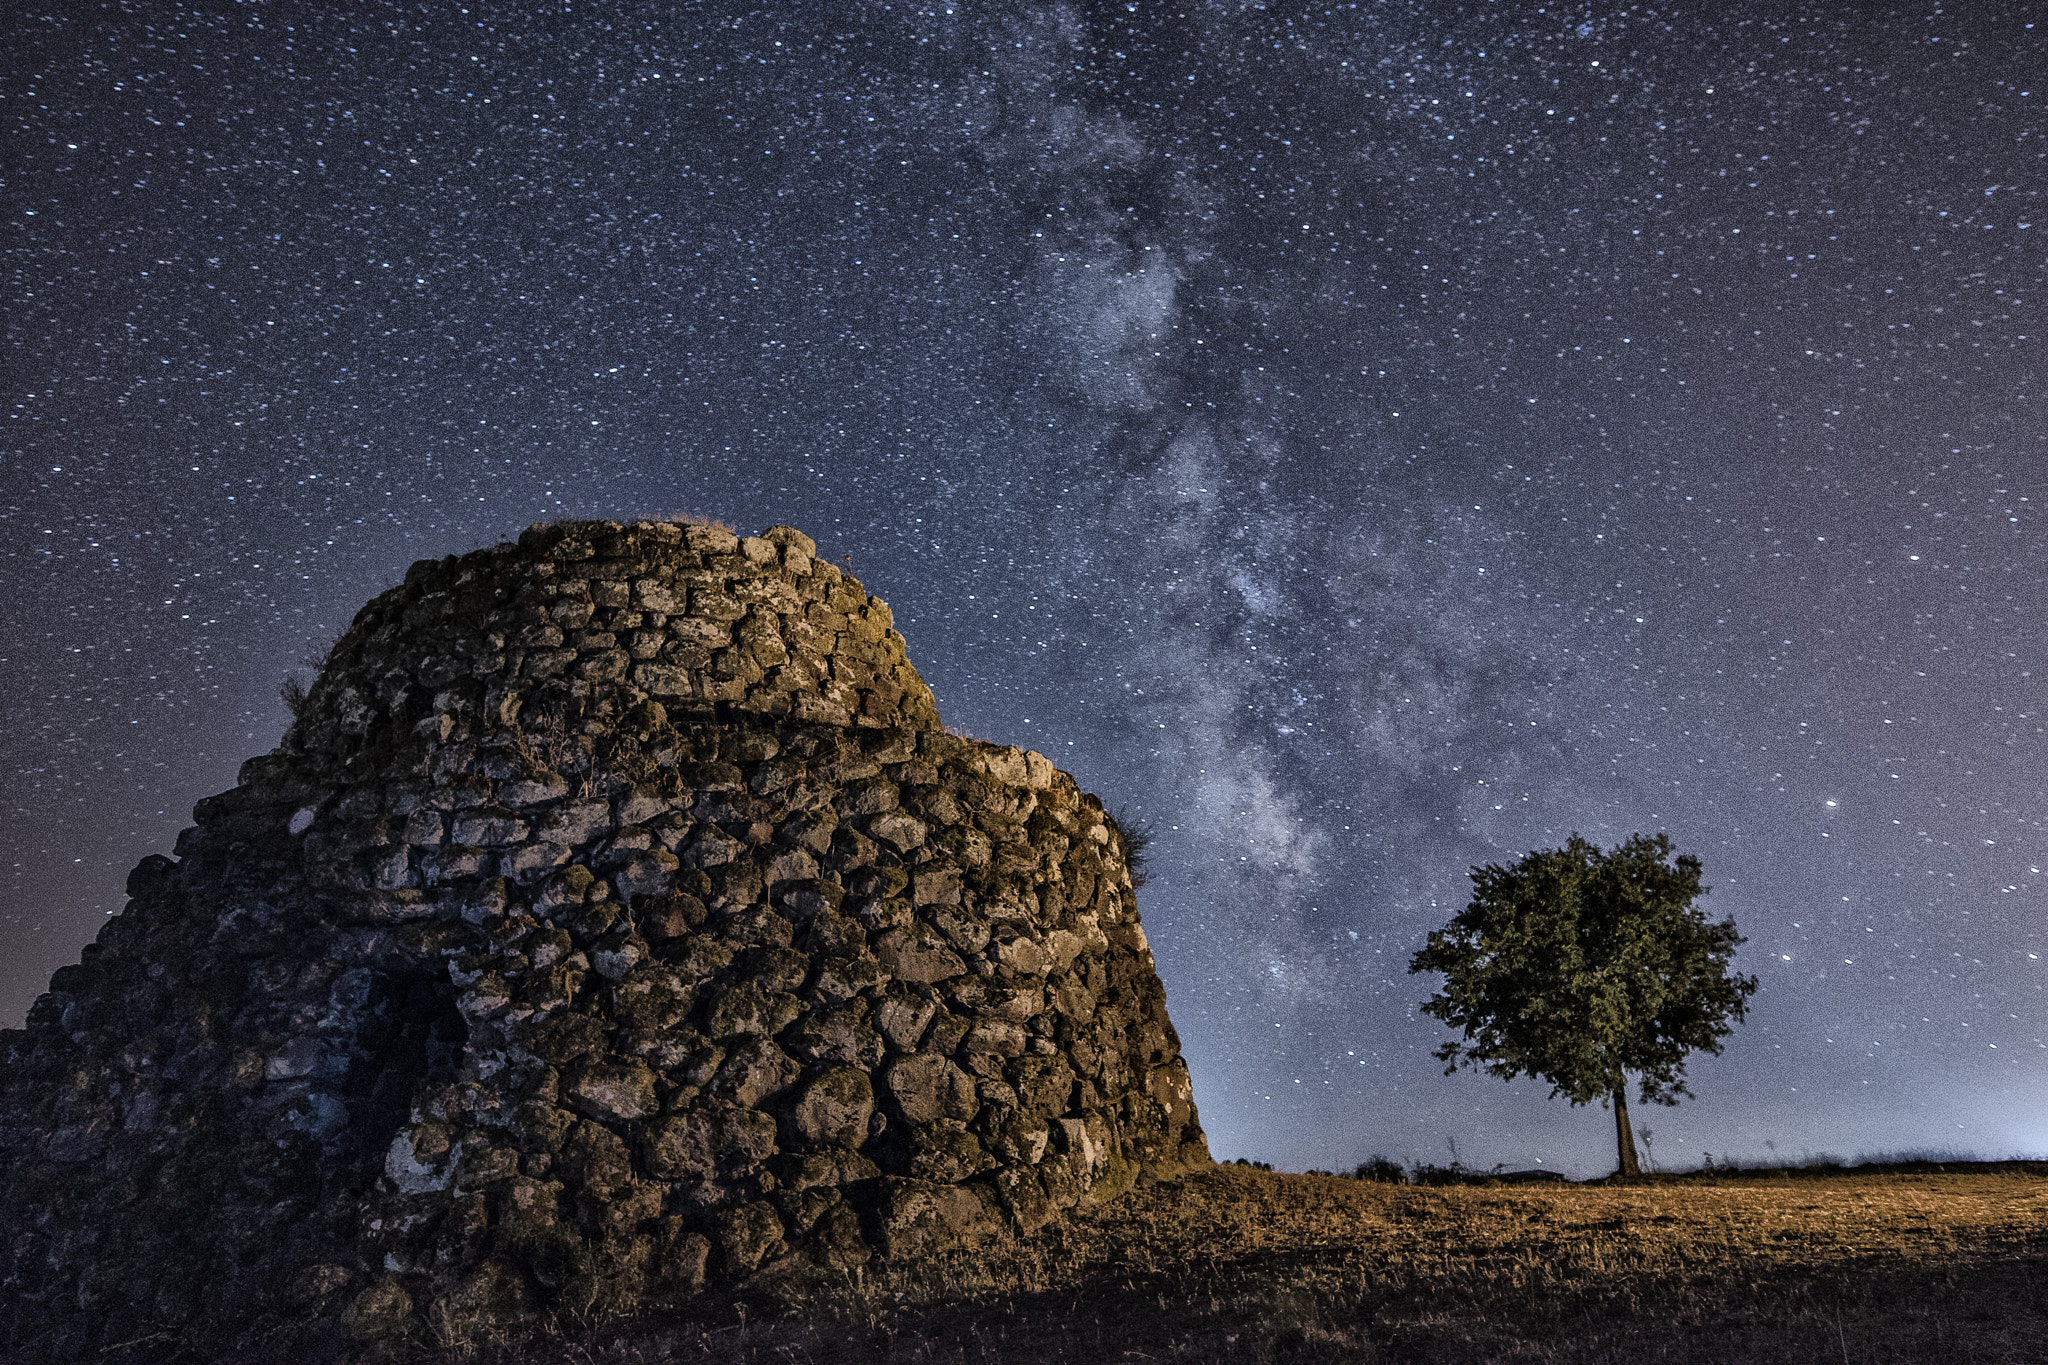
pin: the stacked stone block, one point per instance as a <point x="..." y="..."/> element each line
<point x="615" y="919"/>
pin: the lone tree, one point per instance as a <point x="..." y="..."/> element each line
<point x="1581" y="967"/>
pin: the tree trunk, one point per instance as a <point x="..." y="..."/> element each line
<point x="1624" y="1136"/>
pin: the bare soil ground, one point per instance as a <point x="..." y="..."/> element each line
<point x="1866" y="1267"/>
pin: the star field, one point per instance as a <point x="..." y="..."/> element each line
<point x="1360" y="440"/>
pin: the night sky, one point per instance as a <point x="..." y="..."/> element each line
<point x="1360" y="440"/>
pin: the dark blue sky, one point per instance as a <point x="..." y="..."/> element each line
<point x="1362" y="440"/>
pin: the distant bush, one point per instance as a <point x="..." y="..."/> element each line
<point x="1453" y="1174"/>
<point x="1381" y="1171"/>
<point x="1828" y="1165"/>
<point x="1253" y="1165"/>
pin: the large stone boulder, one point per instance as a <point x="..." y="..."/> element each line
<point x="616" y="918"/>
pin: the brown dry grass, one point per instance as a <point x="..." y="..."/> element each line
<point x="1245" y="1266"/>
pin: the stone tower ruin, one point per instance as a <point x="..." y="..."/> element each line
<point x="615" y="919"/>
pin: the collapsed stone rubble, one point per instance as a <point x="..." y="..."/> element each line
<point x="616" y="918"/>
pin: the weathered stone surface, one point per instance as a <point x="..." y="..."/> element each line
<point x="834" y="1110"/>
<point x="615" y="917"/>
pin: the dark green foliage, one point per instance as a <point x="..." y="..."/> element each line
<point x="1136" y="837"/>
<point x="1429" y="1173"/>
<point x="1380" y="1170"/>
<point x="1583" y="967"/>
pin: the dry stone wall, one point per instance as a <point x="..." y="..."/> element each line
<point x="616" y="919"/>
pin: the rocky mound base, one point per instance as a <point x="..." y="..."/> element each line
<point x="615" y="919"/>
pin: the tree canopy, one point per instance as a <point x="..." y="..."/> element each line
<point x="1584" y="967"/>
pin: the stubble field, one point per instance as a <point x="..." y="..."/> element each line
<point x="1867" y="1267"/>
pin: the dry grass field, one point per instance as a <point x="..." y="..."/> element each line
<point x="1867" y="1267"/>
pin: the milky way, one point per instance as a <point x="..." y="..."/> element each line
<point x="1361" y="441"/>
